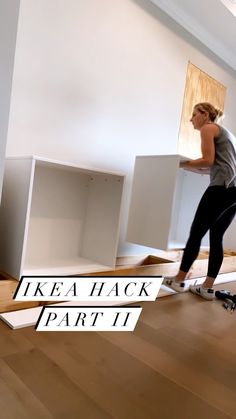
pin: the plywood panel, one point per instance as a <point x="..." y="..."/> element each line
<point x="200" y="87"/>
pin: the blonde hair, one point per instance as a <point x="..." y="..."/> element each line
<point x="214" y="113"/>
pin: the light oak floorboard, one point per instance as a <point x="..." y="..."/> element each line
<point x="178" y="363"/>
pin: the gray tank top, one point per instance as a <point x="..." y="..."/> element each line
<point x="223" y="171"/>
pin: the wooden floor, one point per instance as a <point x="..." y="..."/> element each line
<point x="7" y="289"/>
<point x="179" y="363"/>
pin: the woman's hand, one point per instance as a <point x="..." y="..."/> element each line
<point x="184" y="164"/>
<point x="200" y="170"/>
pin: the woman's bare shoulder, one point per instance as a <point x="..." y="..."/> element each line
<point x="212" y="129"/>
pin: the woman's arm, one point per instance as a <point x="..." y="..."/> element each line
<point x="198" y="170"/>
<point x="208" y="133"/>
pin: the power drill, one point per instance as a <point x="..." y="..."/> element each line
<point x="230" y="300"/>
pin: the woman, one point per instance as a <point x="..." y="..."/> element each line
<point x="217" y="206"/>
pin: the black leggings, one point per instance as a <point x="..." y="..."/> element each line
<point x="215" y="213"/>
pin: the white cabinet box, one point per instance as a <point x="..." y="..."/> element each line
<point x="58" y="219"/>
<point x="163" y="202"/>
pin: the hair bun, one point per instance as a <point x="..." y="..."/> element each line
<point x="220" y="113"/>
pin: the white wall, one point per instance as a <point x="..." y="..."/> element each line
<point x="8" y="27"/>
<point x="97" y="82"/>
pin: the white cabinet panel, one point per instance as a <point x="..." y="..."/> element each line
<point x="163" y="202"/>
<point x="58" y="219"/>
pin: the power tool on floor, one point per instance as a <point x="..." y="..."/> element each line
<point x="229" y="299"/>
